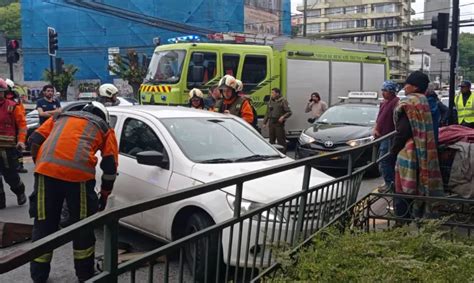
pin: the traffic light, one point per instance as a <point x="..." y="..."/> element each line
<point x="439" y="36"/>
<point x="52" y="41"/>
<point x="12" y="51"/>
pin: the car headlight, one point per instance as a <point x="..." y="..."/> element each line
<point x="247" y="206"/>
<point x="305" y="139"/>
<point x="357" y="142"/>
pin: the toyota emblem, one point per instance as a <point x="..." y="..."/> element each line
<point x="328" y="144"/>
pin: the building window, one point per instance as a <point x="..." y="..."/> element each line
<point x="335" y="11"/>
<point x="313" y="13"/>
<point x="313" y="28"/>
<point x="385" y="8"/>
<point x="361" y="23"/>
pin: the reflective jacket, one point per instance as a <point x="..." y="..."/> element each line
<point x="237" y="106"/>
<point x="465" y="111"/>
<point x="68" y="144"/>
<point x="12" y="124"/>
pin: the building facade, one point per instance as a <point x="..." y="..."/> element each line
<point x="91" y="32"/>
<point x="334" y="16"/>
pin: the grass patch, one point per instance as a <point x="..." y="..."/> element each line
<point x="398" y="255"/>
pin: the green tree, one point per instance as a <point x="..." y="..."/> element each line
<point x="466" y="55"/>
<point x="10" y="20"/>
<point x="62" y="81"/>
<point x="130" y="69"/>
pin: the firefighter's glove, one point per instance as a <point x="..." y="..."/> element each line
<point x="20" y="146"/>
<point x="104" y="195"/>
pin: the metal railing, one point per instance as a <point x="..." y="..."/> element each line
<point x="375" y="213"/>
<point x="238" y="248"/>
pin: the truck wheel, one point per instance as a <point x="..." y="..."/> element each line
<point x="196" y="222"/>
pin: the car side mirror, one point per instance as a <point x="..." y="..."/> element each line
<point x="152" y="158"/>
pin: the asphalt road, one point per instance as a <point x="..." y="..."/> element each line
<point x="62" y="264"/>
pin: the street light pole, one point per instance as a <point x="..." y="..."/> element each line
<point x="305" y="6"/>
<point x="454" y="58"/>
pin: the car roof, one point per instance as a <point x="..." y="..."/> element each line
<point x="358" y="103"/>
<point x="166" y="111"/>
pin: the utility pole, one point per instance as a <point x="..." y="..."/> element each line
<point x="305" y="16"/>
<point x="454" y="58"/>
<point x="441" y="71"/>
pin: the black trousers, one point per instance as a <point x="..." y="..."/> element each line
<point x="276" y="131"/>
<point x="8" y="169"/>
<point x="46" y="203"/>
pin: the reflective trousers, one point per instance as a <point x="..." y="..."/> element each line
<point x="8" y="169"/>
<point x="46" y="203"/>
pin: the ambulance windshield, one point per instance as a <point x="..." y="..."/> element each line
<point x="165" y="67"/>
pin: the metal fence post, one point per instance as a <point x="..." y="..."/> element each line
<point x="304" y="199"/>
<point x="111" y="250"/>
<point x="238" y="199"/>
<point x="349" y="164"/>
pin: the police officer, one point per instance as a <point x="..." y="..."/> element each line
<point x="278" y="111"/>
<point x="12" y="138"/>
<point x="78" y="135"/>
<point x="108" y="95"/>
<point x="231" y="102"/>
<point x="464" y="102"/>
<point x="13" y="95"/>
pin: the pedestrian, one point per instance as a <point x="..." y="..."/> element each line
<point x="417" y="169"/>
<point x="383" y="126"/>
<point x="278" y="111"/>
<point x="70" y="176"/>
<point x="12" y="138"/>
<point x="47" y="106"/>
<point x="13" y="95"/>
<point x="464" y="102"/>
<point x="196" y="99"/>
<point x="214" y="95"/>
<point x="316" y="106"/>
<point x="108" y="95"/>
<point x="232" y="103"/>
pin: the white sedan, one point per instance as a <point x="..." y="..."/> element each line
<point x="190" y="147"/>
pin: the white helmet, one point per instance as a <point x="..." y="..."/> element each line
<point x="108" y="90"/>
<point x="240" y="85"/>
<point x="97" y="109"/>
<point x="10" y="83"/>
<point x="228" y="81"/>
<point x="195" y="92"/>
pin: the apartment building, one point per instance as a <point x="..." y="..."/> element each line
<point x="334" y="16"/>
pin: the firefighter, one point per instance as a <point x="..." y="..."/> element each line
<point x="278" y="111"/>
<point x="12" y="138"/>
<point x="196" y="99"/>
<point x="108" y="95"/>
<point x="464" y="102"/>
<point x="231" y="102"/>
<point x="70" y="176"/>
<point x="13" y="95"/>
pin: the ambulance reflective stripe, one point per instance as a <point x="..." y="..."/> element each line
<point x="81" y="158"/>
<point x="83" y="201"/>
<point x="41" y="213"/>
<point x="155" y="88"/>
<point x="46" y="258"/>
<point x="83" y="254"/>
<point x="465" y="112"/>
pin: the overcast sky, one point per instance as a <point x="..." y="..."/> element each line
<point x="467" y="12"/>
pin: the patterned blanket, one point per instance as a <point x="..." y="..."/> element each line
<point x="417" y="169"/>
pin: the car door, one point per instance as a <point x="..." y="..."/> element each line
<point x="136" y="181"/>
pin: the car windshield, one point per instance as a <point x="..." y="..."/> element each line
<point x="350" y="114"/>
<point x="218" y="140"/>
<point x="165" y="67"/>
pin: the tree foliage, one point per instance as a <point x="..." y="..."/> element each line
<point x="10" y="20"/>
<point x="62" y="81"/>
<point x="130" y="68"/>
<point x="466" y="55"/>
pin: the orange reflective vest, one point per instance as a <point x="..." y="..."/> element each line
<point x="12" y="124"/>
<point x="69" y="144"/>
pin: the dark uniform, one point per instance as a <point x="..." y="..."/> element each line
<point x="276" y="109"/>
<point x="70" y="176"/>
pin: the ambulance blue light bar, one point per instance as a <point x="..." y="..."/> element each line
<point x="186" y="38"/>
